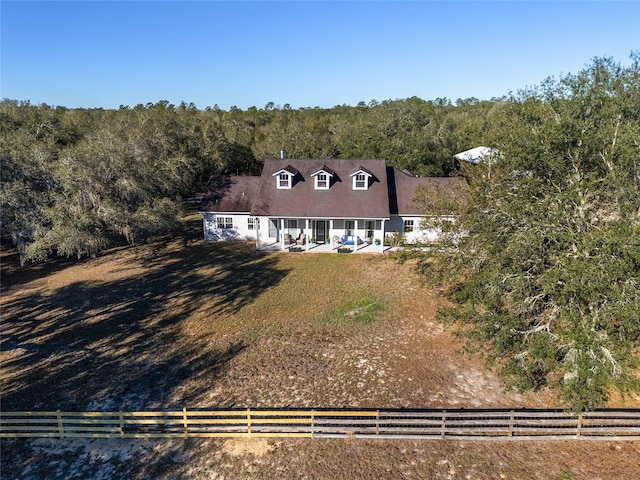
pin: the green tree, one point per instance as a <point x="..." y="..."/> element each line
<point x="544" y="268"/>
<point x="28" y="145"/>
<point x="302" y="134"/>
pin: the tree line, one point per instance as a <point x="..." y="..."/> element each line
<point x="77" y="181"/>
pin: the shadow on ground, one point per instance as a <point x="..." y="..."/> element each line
<point x="60" y="346"/>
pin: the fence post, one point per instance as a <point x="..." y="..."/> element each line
<point x="444" y="420"/>
<point x="579" y="425"/>
<point x="249" y="421"/>
<point x="377" y="422"/>
<point x="121" y="416"/>
<point x="184" y="422"/>
<point x="511" y="419"/>
<point x="313" y="423"/>
<point x="60" y="424"/>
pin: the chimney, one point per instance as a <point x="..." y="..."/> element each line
<point x="282" y="153"/>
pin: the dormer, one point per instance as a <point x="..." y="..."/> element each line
<point x="361" y="179"/>
<point x="284" y="177"/>
<point x="322" y="178"/>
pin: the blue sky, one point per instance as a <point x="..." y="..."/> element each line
<point x="304" y="53"/>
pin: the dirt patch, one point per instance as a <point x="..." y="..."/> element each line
<point x="237" y="447"/>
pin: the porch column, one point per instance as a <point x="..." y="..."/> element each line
<point x="355" y="235"/>
<point x="306" y="234"/>
<point x="382" y="239"/>
<point x="331" y="234"/>
<point x="282" y="233"/>
<point x="256" y="225"/>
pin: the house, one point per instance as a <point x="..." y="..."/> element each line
<point x="321" y="204"/>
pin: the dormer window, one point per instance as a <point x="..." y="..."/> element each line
<point x="284" y="180"/>
<point x="322" y="181"/>
<point x="323" y="178"/>
<point x="285" y="177"/>
<point x="361" y="179"/>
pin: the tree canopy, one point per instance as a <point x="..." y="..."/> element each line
<point x="544" y="263"/>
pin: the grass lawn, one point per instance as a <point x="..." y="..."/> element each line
<point x="176" y="322"/>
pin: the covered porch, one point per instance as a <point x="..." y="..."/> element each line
<point x="330" y="235"/>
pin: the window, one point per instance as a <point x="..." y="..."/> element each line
<point x="360" y="181"/>
<point x="292" y="223"/>
<point x="285" y="177"/>
<point x="224" y="222"/>
<point x="251" y="223"/>
<point x="408" y="226"/>
<point x="322" y="178"/>
<point x="322" y="181"/>
<point x="349" y="227"/>
<point x="368" y="226"/>
<point x="284" y="180"/>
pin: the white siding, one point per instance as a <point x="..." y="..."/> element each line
<point x="239" y="231"/>
<point x="424" y="231"/>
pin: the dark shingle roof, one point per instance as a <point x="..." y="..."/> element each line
<point x="340" y="201"/>
<point x="229" y="194"/>
<point x="390" y="191"/>
<point x="403" y="186"/>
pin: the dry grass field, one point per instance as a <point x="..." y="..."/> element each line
<point x="176" y="322"/>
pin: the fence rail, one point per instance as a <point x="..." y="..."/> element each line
<point x="387" y="424"/>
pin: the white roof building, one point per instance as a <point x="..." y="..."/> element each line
<point x="477" y="154"/>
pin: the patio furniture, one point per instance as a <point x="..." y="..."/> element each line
<point x="351" y="240"/>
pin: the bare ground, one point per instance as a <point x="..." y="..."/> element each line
<point x="176" y="323"/>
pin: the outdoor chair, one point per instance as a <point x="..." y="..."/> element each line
<point x="351" y="240"/>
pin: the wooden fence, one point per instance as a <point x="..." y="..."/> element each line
<point x="381" y="424"/>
